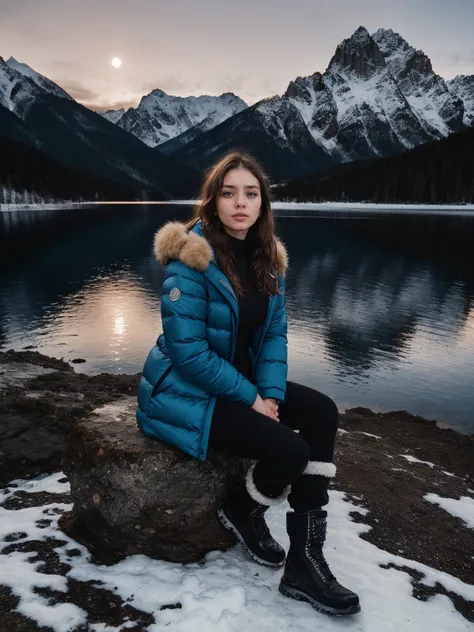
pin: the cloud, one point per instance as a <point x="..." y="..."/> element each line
<point x="458" y="63"/>
<point x="174" y="84"/>
<point x="462" y="58"/>
<point x="67" y="65"/>
<point x="247" y="89"/>
<point x="78" y="91"/>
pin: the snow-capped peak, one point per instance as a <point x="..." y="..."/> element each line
<point x="358" y="54"/>
<point x="399" y="55"/>
<point x="15" y="88"/>
<point x="113" y="116"/>
<point x="439" y="111"/>
<point x="462" y="87"/>
<point x="160" y="117"/>
<point x="356" y="108"/>
<point x="40" y="80"/>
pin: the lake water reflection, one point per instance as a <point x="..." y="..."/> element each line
<point x="381" y="307"/>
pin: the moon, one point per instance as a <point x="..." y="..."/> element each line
<point x="116" y="62"/>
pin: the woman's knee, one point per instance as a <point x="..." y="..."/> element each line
<point x="330" y="413"/>
<point x="323" y="413"/>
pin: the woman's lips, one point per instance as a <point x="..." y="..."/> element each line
<point x="240" y="217"/>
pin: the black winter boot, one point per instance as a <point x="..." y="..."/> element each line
<point x="307" y="576"/>
<point x="243" y="514"/>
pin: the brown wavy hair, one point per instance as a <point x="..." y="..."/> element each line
<point x="261" y="235"/>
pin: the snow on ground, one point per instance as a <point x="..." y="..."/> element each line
<point x="53" y="484"/>
<point x="450" y="474"/>
<point x="368" y="434"/>
<point x="462" y="508"/>
<point x="228" y="593"/>
<point x="413" y="459"/>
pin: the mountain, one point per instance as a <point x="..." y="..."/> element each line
<point x="76" y="136"/>
<point x="160" y="117"/>
<point x="370" y="99"/>
<point x="113" y="116"/>
<point x="463" y="87"/>
<point x="439" y="111"/>
<point x="273" y="130"/>
<point x="378" y="97"/>
<point x="25" y="168"/>
<point x="40" y="80"/>
<point x="178" y="142"/>
<point x="14" y="128"/>
<point x="438" y="172"/>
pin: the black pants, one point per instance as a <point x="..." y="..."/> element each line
<point x="282" y="454"/>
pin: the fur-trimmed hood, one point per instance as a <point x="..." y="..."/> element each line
<point x="173" y="241"/>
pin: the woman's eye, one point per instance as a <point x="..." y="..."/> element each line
<point x="229" y="193"/>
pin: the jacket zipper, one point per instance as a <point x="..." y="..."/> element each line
<point x="265" y="328"/>
<point x="264" y="331"/>
<point x="158" y="384"/>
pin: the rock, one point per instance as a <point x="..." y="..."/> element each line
<point x="135" y="495"/>
<point x="19" y="374"/>
<point x="40" y="399"/>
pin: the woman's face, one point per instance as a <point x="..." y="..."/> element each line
<point x="239" y="202"/>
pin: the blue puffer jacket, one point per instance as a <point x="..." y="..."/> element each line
<point x="190" y="365"/>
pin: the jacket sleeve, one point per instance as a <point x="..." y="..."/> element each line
<point x="184" y="318"/>
<point x="271" y="369"/>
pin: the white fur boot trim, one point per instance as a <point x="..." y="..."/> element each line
<point x="259" y="497"/>
<point x="320" y="467"/>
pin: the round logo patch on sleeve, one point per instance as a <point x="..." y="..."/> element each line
<point x="174" y="294"/>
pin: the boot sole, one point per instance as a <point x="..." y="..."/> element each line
<point x="299" y="595"/>
<point x="227" y="524"/>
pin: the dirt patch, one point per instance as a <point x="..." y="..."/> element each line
<point x="393" y="487"/>
<point x="21" y="500"/>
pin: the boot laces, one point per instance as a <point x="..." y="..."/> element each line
<point x="315" y="553"/>
<point x="314" y="548"/>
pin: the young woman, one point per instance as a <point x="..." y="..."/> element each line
<point x="224" y="351"/>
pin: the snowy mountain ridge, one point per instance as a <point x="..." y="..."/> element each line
<point x="112" y="115"/>
<point x="437" y="109"/>
<point x="463" y="87"/>
<point x="160" y="117"/>
<point x="74" y="135"/>
<point x="378" y="96"/>
<point x="40" y="80"/>
<point x="16" y="89"/>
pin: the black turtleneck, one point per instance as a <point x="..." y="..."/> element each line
<point x="253" y="306"/>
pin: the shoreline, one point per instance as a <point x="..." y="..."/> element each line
<point x="278" y="206"/>
<point x="35" y="383"/>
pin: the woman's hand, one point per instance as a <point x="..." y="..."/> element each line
<point x="265" y="408"/>
<point x="273" y="406"/>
